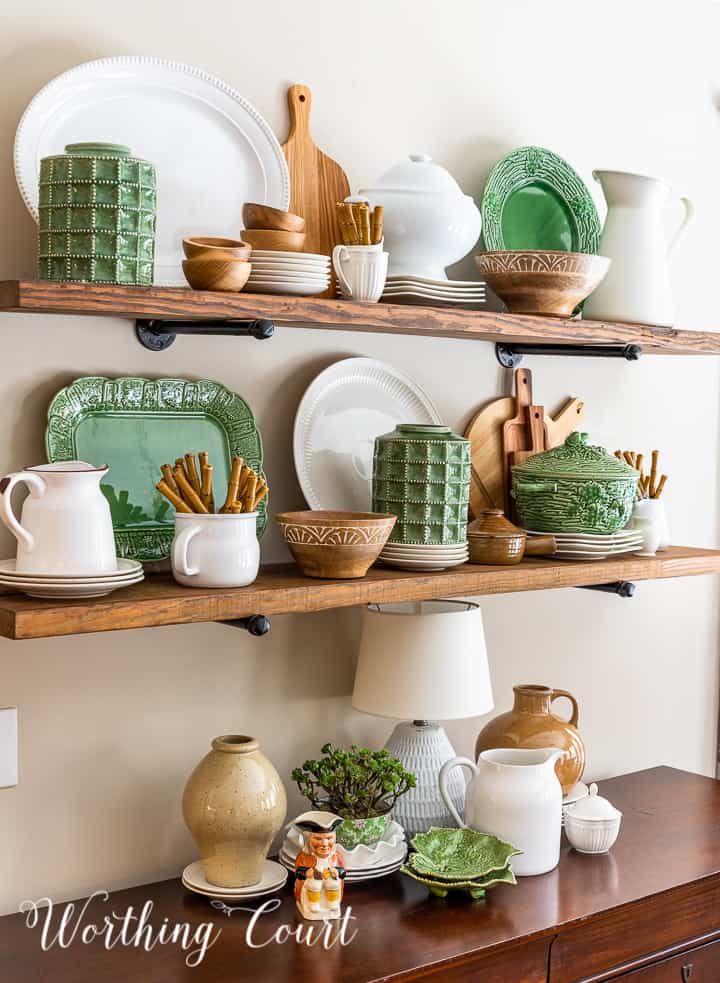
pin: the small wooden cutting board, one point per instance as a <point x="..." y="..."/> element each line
<point x="317" y="182"/>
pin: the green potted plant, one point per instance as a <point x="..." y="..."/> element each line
<point x="360" y="785"/>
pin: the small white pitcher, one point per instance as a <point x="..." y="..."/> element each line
<point x="65" y="526"/>
<point x="215" y="550"/>
<point x="514" y="794"/>
<point x="361" y="271"/>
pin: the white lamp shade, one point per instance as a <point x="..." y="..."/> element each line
<point x="423" y="660"/>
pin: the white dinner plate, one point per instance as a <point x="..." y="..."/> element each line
<point x="439" y="564"/>
<point x="228" y="899"/>
<point x="425" y="281"/>
<point x="289" y="256"/>
<point x="391" y="549"/>
<point x="316" y="270"/>
<point x="616" y="537"/>
<point x="342" y="412"/>
<point x="303" y="288"/>
<point x="420" y="300"/>
<point x="125" y="568"/>
<point x="273" y="877"/>
<point x="447" y="292"/>
<point x="290" y="277"/>
<point x="74" y="592"/>
<point x="67" y="586"/>
<point x="211" y="149"/>
<point x="455" y="298"/>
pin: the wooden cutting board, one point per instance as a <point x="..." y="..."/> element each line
<point x="515" y="430"/>
<point x="485" y="432"/>
<point x="317" y="182"/>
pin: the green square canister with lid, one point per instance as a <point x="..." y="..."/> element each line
<point x="421" y="474"/>
<point x="97" y="216"/>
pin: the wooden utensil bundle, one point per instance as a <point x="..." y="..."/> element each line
<point x="649" y="485"/>
<point x="359" y="225"/>
<point x="190" y="490"/>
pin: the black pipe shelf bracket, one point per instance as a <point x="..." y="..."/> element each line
<point x="510" y="354"/>
<point x="157" y="334"/>
<point x="256" y="624"/>
<point x="621" y="588"/>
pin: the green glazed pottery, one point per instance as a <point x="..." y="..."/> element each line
<point x="135" y="425"/>
<point x="576" y="487"/>
<point x="97" y="215"/>
<point x="533" y="199"/>
<point x="475" y="888"/>
<point x="459" y="854"/>
<point x="421" y="474"/>
<point x="354" y="832"/>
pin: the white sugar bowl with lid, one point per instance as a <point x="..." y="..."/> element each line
<point x="428" y="222"/>
<point x="592" y="824"/>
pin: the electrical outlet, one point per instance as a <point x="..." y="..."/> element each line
<point x="8" y="747"/>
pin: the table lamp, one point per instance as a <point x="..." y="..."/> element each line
<point x="426" y="661"/>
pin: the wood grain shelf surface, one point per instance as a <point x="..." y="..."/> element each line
<point x="37" y="297"/>
<point x="282" y="589"/>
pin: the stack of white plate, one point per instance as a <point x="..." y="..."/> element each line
<point x="364" y="863"/>
<point x="70" y="586"/>
<point x="411" y="556"/>
<point x="299" y="274"/>
<point x="586" y="546"/>
<point x="273" y="877"/>
<point x="434" y="293"/>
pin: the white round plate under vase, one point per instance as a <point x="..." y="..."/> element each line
<point x="273" y="877"/>
<point x="99" y="582"/>
<point x="290" y="256"/>
<point x="304" y="289"/>
<point x="421" y="550"/>
<point x="125" y="568"/>
<point x="69" y="593"/>
<point x="610" y="539"/>
<point x="230" y="898"/>
<point x="341" y="413"/>
<point x="427" y="565"/>
<point x="211" y="149"/>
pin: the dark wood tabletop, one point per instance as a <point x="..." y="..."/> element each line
<point x="669" y="845"/>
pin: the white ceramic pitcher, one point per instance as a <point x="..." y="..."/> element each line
<point x="514" y="794"/>
<point x="637" y="286"/>
<point x="65" y="526"/>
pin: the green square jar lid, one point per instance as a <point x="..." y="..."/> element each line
<point x="534" y="199"/>
<point x="575" y="459"/>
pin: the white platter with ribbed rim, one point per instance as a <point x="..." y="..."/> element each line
<point x="342" y="412"/>
<point x="211" y="149"/>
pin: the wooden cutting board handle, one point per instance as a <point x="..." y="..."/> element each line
<point x="299" y="103"/>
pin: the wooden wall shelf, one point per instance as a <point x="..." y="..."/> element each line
<point x="281" y="589"/>
<point x="37" y="297"/>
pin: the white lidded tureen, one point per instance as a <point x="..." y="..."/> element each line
<point x="428" y="223"/>
<point x="592" y="824"/>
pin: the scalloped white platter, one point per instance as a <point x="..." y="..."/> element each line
<point x="211" y="149"/>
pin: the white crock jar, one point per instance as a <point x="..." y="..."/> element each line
<point x="592" y="824"/>
<point x="428" y="223"/>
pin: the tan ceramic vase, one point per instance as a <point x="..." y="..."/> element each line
<point x="531" y="724"/>
<point x="234" y="803"/>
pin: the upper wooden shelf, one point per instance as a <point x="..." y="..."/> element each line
<point x="281" y="589"/>
<point x="38" y="297"/>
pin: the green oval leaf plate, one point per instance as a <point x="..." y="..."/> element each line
<point x="533" y="199"/>
<point x="134" y="425"/>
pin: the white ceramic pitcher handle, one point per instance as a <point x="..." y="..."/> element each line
<point x="340" y="253"/>
<point x="37" y="489"/>
<point x="689" y="212"/>
<point x="442" y="780"/>
<point x="180" y="551"/>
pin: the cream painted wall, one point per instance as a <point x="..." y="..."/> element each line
<point x="110" y="725"/>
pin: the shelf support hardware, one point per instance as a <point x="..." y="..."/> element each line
<point x="623" y="588"/>
<point x="256" y="624"/>
<point x="510" y="355"/>
<point x="157" y="334"/>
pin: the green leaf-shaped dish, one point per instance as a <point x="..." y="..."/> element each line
<point x="459" y="854"/>
<point x="475" y="888"/>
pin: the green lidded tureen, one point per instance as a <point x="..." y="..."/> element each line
<point x="576" y="487"/>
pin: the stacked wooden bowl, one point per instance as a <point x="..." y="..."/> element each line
<point x="216" y="264"/>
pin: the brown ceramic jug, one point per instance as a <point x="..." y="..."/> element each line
<point x="234" y="804"/>
<point x="531" y="724"/>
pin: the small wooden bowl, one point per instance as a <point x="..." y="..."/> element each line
<point x="290" y="242"/>
<point x="229" y="275"/>
<point x="209" y="247"/>
<point x="266" y="217"/>
<point x="335" y="545"/>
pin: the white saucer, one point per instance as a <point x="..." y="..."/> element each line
<point x="125" y="568"/>
<point x="273" y="877"/>
<point x="232" y="897"/>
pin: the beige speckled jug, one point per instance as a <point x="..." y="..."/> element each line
<point x="234" y="803"/>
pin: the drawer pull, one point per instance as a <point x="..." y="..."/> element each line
<point x="686" y="971"/>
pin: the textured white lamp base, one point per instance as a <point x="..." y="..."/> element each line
<point x="423" y="748"/>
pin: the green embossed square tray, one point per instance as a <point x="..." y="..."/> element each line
<point x="134" y="425"/>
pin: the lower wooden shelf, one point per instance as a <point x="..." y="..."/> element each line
<point x="282" y="589"/>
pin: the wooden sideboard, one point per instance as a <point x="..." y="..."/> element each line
<point x="648" y="912"/>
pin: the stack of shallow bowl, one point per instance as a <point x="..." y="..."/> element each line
<point x="216" y="264"/>
<point x="460" y="860"/>
<point x="279" y="264"/>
